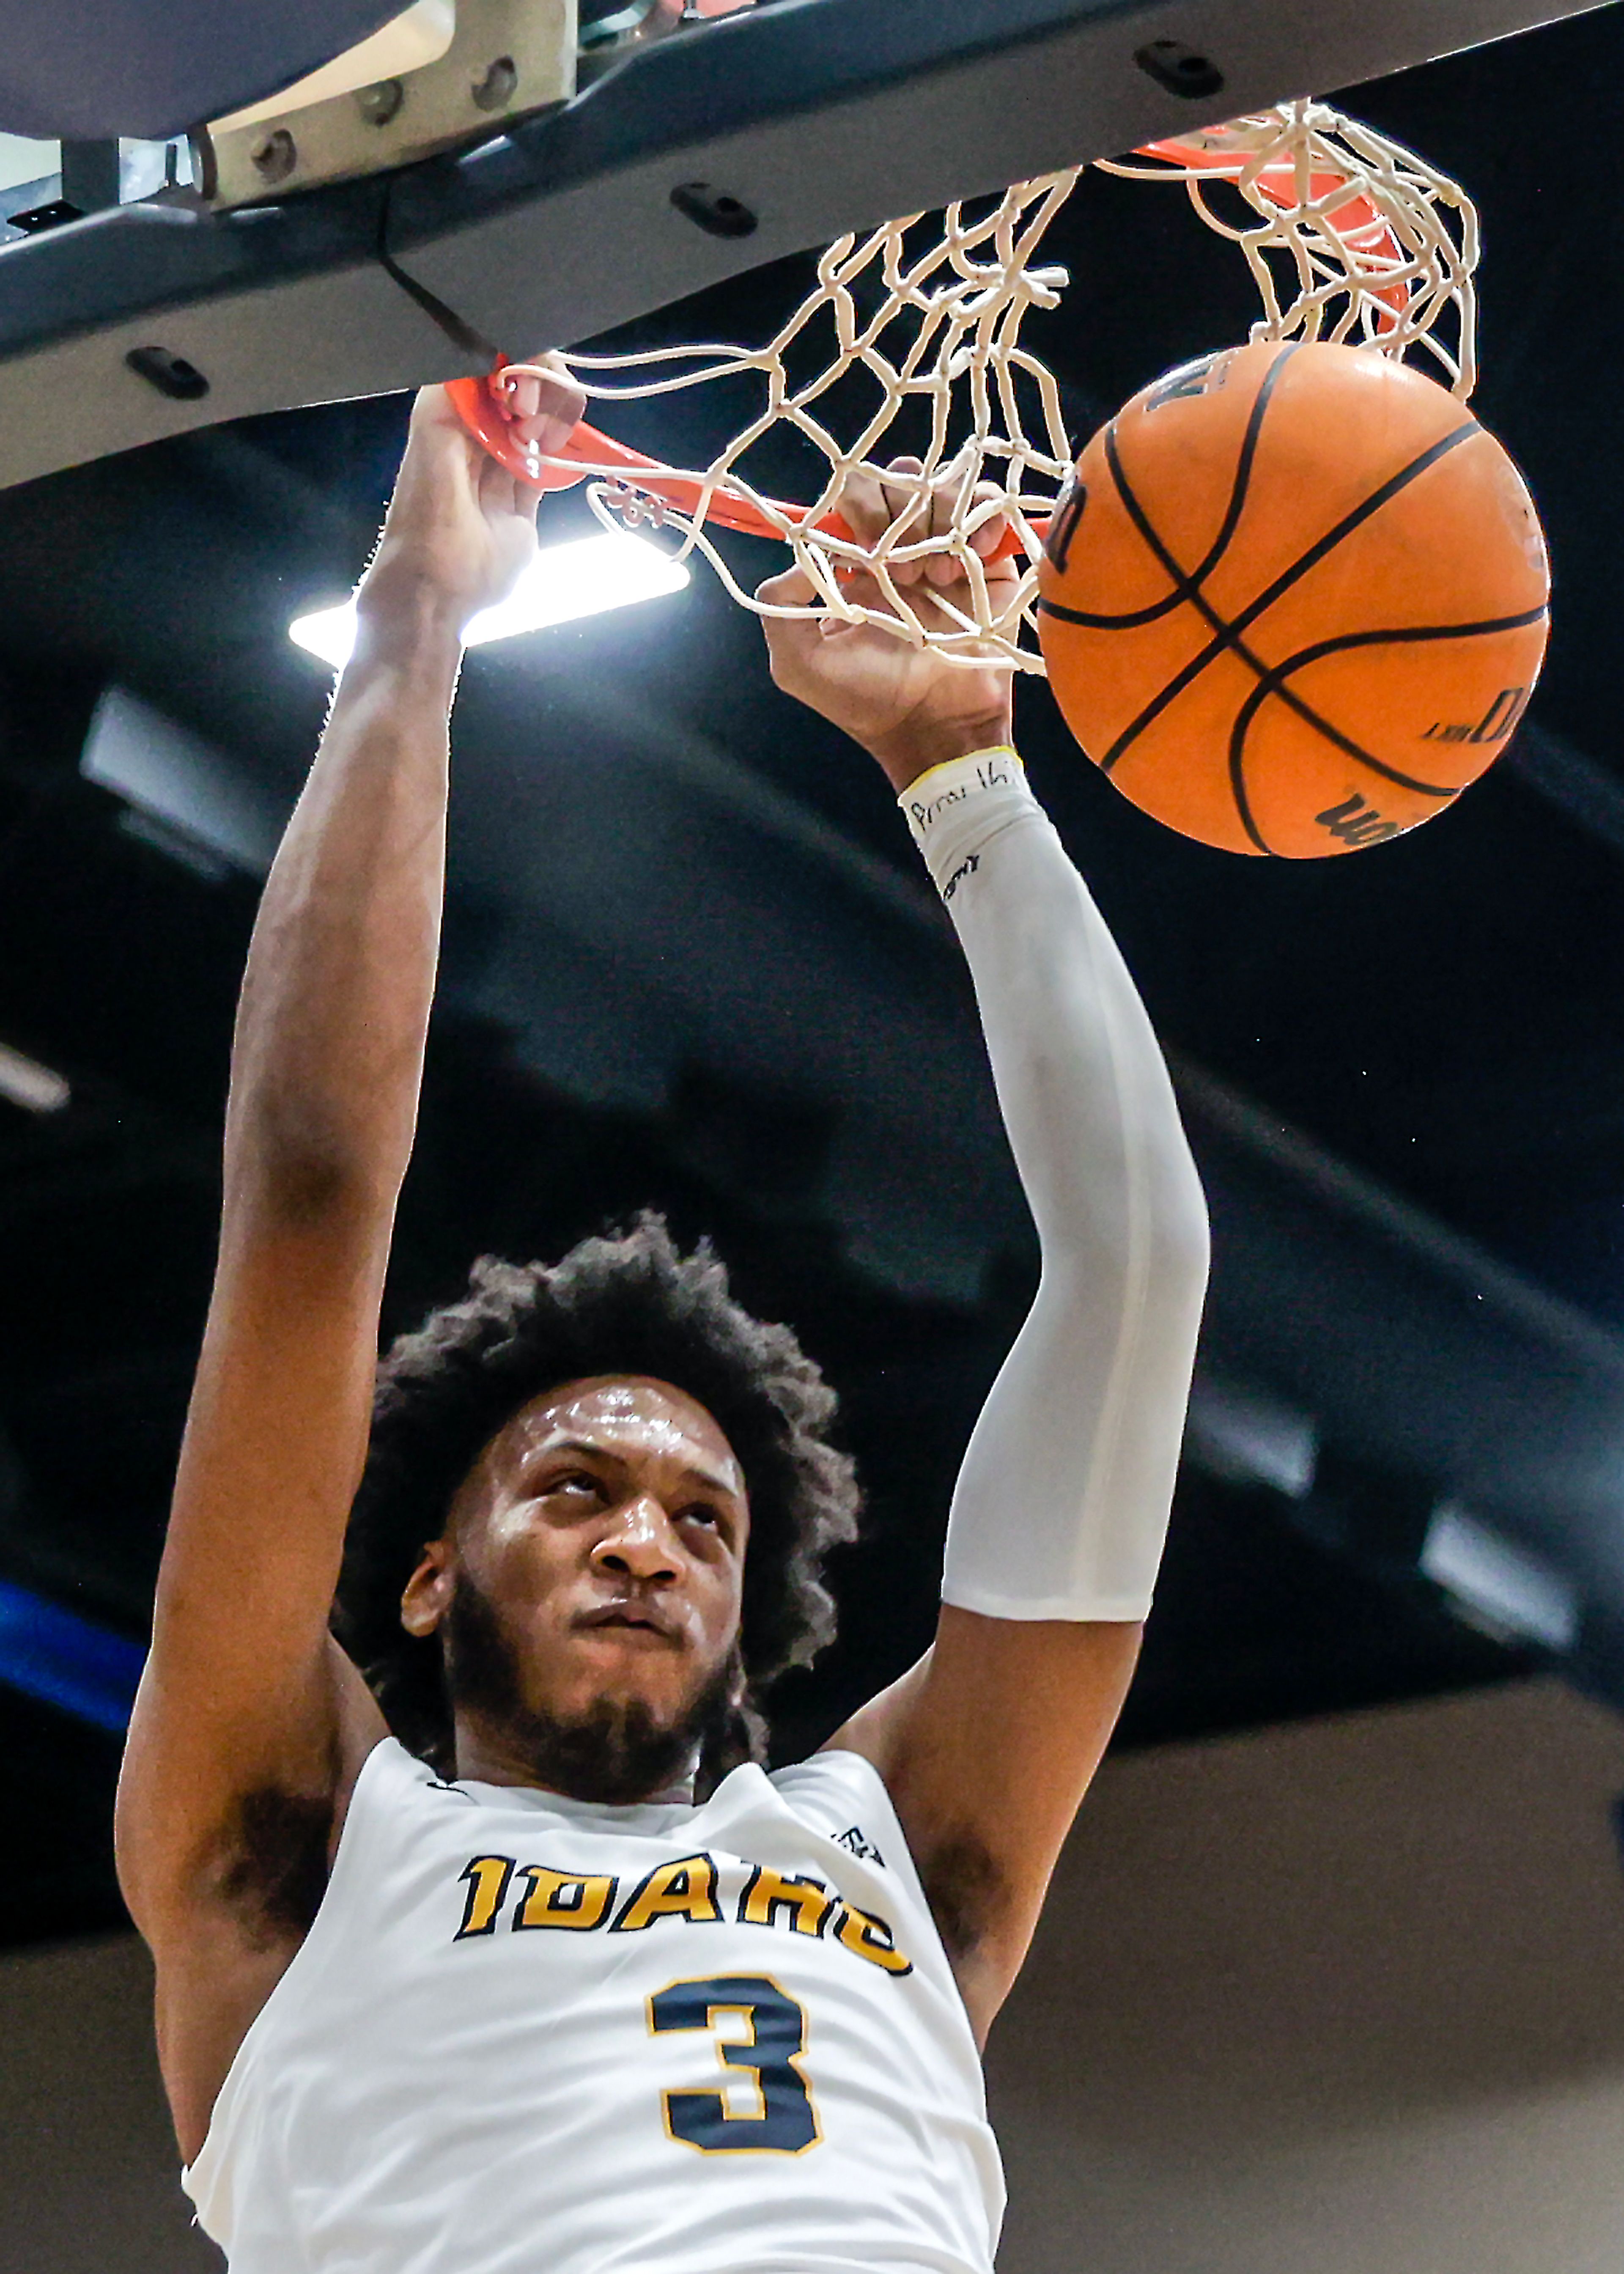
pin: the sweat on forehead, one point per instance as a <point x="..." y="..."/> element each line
<point x="632" y="1416"/>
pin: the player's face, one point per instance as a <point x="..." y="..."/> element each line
<point x="599" y="1544"/>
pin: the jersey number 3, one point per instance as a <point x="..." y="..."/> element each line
<point x="759" y="2034"/>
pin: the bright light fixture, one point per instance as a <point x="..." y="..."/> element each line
<point x="582" y="578"/>
<point x="26" y="1082"/>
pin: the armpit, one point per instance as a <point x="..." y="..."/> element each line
<point x="966" y="1892"/>
<point x="275" y="1871"/>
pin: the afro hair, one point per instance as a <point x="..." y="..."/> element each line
<point x="625" y="1303"/>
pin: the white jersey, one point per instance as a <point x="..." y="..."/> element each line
<point x="530" y="2036"/>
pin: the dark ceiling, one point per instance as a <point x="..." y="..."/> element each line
<point x="689" y="961"/>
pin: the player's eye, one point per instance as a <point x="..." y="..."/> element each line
<point x="701" y="1513"/>
<point x="573" y="1484"/>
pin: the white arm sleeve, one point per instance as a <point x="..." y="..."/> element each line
<point x="1061" y="1507"/>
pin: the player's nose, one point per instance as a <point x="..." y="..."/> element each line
<point x="639" y="1544"/>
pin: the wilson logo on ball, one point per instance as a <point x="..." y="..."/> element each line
<point x="1357" y="824"/>
<point x="1063" y="528"/>
<point x="1190" y="381"/>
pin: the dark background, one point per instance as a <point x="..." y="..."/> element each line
<point x="690" y="962"/>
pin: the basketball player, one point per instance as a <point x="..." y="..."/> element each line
<point x="509" y="1958"/>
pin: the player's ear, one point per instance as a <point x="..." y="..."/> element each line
<point x="428" y="1590"/>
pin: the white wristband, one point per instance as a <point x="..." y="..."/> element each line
<point x="957" y="809"/>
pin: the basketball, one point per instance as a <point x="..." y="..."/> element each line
<point x="1294" y="599"/>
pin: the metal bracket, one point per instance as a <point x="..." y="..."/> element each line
<point x="507" y="58"/>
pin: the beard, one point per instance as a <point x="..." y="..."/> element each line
<point x="617" y="1751"/>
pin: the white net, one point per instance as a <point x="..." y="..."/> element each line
<point x="1351" y="237"/>
<point x="1348" y="237"/>
<point x="935" y="329"/>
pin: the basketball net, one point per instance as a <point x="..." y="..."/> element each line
<point x="1355" y="240"/>
<point x="1348" y="237"/>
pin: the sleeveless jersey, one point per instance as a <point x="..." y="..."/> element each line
<point x="530" y="2036"/>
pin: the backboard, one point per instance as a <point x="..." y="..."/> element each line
<point x="698" y="157"/>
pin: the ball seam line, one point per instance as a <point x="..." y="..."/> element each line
<point x="1238" y="491"/>
<point x="1227" y="632"/>
<point x="1271" y="683"/>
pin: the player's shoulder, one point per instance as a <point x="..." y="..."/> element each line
<point x="835" y="1768"/>
<point x="843" y="1797"/>
<point x="393" y="1785"/>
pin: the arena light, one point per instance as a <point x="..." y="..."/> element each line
<point x="26" y="1082"/>
<point x="1245" y="1436"/>
<point x="188" y="796"/>
<point x="584" y="577"/>
<point x="1499" y="1584"/>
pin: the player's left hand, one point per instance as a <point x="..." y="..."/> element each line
<point x="458" y="522"/>
<point x="906" y="705"/>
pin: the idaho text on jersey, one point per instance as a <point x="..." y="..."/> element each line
<point x="528" y="1897"/>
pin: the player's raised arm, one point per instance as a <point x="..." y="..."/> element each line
<point x="1059" y="1514"/>
<point x="248" y="1722"/>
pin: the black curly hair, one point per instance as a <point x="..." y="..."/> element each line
<point x="626" y="1303"/>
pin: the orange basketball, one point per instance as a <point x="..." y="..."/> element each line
<point x="1294" y="599"/>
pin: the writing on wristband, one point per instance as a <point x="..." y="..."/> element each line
<point x="946" y="789"/>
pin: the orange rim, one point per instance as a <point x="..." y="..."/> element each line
<point x="482" y="406"/>
<point x="1367" y="227"/>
